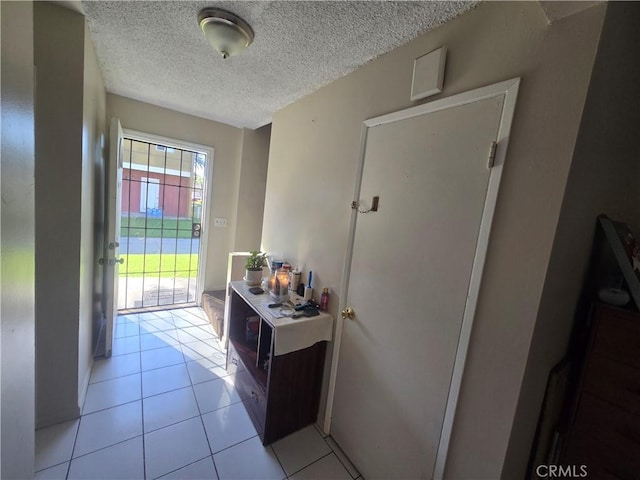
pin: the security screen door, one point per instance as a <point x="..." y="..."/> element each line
<point x="161" y="224"/>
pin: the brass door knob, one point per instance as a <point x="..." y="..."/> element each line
<point x="348" y="313"/>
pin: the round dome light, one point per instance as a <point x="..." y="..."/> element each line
<point x="227" y="33"/>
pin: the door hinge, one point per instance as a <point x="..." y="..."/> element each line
<point x="492" y="154"/>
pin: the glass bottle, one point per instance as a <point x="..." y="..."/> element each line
<point x="324" y="299"/>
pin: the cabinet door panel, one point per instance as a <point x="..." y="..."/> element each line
<point x="614" y="382"/>
<point x="618" y="336"/>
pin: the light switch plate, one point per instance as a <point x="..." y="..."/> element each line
<point x="219" y="222"/>
<point x="428" y="74"/>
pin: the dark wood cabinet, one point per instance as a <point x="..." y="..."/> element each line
<point x="591" y="411"/>
<point x="605" y="434"/>
<point x="280" y="383"/>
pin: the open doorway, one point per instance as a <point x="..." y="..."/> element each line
<point x="163" y="229"/>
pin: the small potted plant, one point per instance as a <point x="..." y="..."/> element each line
<point x="255" y="262"/>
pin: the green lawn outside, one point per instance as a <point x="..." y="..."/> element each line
<point x="156" y="227"/>
<point x="184" y="264"/>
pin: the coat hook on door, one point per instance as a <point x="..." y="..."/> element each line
<point x="374" y="205"/>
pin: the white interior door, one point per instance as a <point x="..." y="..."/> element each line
<point x="149" y="193"/>
<point x="112" y="231"/>
<point x="415" y="274"/>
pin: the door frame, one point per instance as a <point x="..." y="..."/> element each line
<point x="508" y="89"/>
<point x="113" y="195"/>
<point x="207" y="194"/>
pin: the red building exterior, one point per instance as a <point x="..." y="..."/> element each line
<point x="156" y="194"/>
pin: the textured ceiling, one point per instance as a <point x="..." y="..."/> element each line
<point x="155" y="51"/>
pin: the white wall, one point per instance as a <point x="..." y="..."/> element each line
<point x="314" y="149"/>
<point x="17" y="239"/>
<point x="59" y="59"/>
<point x="604" y="178"/>
<point x="251" y="188"/>
<point x="227" y="142"/>
<point x="92" y="215"/>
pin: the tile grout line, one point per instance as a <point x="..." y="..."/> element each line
<point x="275" y="454"/>
<point x="144" y="449"/>
<point x="52" y="466"/>
<point x="160" y="393"/>
<point x="206" y="435"/>
<point x="106" y="447"/>
<point x="212" y="342"/>
<point x="183" y="420"/>
<point x="114" y="406"/>
<point x="339" y="459"/>
<point x="185" y="466"/>
<point x="75" y="440"/>
<point x="170" y="424"/>
<point x="215" y="466"/>
<point x="79" y="421"/>
<point x="238" y="443"/>
<point x="82" y="414"/>
<point x="331" y="452"/>
<point x="158" y="368"/>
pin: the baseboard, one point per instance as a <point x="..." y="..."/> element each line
<point x="216" y="288"/>
<point x="58" y="417"/>
<point x="84" y="384"/>
<point x="99" y="349"/>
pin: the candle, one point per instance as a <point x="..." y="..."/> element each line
<point x="282" y="284"/>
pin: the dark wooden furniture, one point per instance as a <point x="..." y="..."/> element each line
<point x="280" y="391"/>
<point x="591" y="410"/>
<point x="604" y="421"/>
<point x="605" y="435"/>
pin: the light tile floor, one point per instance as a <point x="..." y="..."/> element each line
<point x="163" y="406"/>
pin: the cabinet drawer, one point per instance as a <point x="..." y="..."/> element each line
<point x="601" y="461"/>
<point x="606" y="439"/>
<point x="254" y="399"/>
<point x="614" y="382"/>
<point x="252" y="394"/>
<point x="602" y="442"/>
<point x="618" y="335"/>
<point x="234" y="363"/>
<point x="611" y="425"/>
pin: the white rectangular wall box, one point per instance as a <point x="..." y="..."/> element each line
<point x="219" y="222"/>
<point x="428" y="74"/>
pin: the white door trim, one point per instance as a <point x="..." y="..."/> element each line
<point x="508" y="89"/>
<point x="144" y="181"/>
<point x="207" y="194"/>
<point x="113" y="208"/>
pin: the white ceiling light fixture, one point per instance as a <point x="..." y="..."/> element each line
<point x="227" y="33"/>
